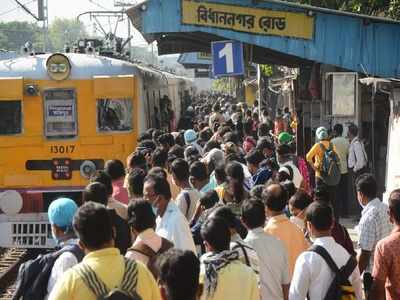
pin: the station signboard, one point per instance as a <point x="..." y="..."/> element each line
<point x="247" y="19"/>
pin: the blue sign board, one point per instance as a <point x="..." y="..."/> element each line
<point x="227" y="58"/>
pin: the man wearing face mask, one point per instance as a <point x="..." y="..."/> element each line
<point x="171" y="223"/>
<point x="61" y="213"/>
<point x="312" y="275"/>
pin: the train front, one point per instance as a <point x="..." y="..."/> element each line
<point x="61" y="117"/>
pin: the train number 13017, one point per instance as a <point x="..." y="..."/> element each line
<point x="62" y="149"/>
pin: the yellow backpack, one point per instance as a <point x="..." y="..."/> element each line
<point x="340" y="288"/>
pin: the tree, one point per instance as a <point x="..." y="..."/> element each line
<point x="382" y="8"/>
<point x="13" y="35"/>
<point x="64" y="31"/>
<point x="221" y="85"/>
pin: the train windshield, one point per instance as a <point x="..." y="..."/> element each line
<point x="114" y="114"/>
<point x="60" y="113"/>
<point x="10" y="117"/>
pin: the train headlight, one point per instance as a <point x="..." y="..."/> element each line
<point x="11" y="202"/>
<point x="31" y="90"/>
<point x="87" y="169"/>
<point x="58" y="66"/>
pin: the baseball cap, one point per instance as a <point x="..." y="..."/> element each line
<point x="285" y="138"/>
<point x="190" y="136"/>
<point x="61" y="212"/>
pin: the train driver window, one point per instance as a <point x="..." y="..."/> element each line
<point x="114" y="114"/>
<point x="10" y="117"/>
<point x="60" y="113"/>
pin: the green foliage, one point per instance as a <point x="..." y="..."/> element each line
<point x="382" y="8"/>
<point x="221" y="85"/>
<point x="266" y="70"/>
<point x="13" y="35"/>
<point x="64" y="31"/>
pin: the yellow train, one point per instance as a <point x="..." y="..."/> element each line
<point x="61" y="117"/>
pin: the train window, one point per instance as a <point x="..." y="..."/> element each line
<point x="114" y="114"/>
<point x="10" y="117"/>
<point x="60" y="113"/>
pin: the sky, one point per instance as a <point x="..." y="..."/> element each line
<point x="10" y="11"/>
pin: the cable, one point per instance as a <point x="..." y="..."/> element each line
<point x="15" y="8"/>
<point x="98" y="5"/>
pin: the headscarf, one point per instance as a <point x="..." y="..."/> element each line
<point x="213" y="264"/>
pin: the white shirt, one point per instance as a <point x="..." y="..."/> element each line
<point x="342" y="149"/>
<point x="244" y="249"/>
<point x="312" y="274"/>
<point x="273" y="260"/>
<point x="374" y="225"/>
<point x="64" y="262"/>
<point x="297" y="177"/>
<point x="194" y="197"/>
<point x="357" y="155"/>
<point x="174" y="227"/>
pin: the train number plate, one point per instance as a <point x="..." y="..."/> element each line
<point x="61" y="169"/>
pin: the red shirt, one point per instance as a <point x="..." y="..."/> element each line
<point x="387" y="264"/>
<point x="119" y="192"/>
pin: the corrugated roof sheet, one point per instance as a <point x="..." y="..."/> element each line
<point x="365" y="44"/>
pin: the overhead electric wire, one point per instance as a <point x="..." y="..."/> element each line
<point x="98" y="5"/>
<point x="15" y="8"/>
<point x="26" y="9"/>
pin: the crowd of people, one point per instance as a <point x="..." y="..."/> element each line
<point x="226" y="209"/>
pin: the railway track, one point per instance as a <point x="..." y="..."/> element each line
<point x="10" y="260"/>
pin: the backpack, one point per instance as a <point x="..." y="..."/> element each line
<point x="145" y="250"/>
<point x="340" y="288"/>
<point x="330" y="170"/>
<point x="33" y="275"/>
<point x="126" y="290"/>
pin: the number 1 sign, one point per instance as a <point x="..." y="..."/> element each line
<point x="227" y="58"/>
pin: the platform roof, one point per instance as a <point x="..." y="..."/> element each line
<point x="360" y="43"/>
<point x="194" y="60"/>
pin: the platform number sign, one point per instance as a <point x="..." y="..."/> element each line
<point x="227" y="58"/>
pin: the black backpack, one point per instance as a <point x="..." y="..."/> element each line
<point x="126" y="290"/>
<point x="340" y="288"/>
<point x="33" y="275"/>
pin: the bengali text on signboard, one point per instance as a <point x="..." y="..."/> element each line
<point x="247" y="19"/>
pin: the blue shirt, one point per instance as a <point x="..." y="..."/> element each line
<point x="262" y="176"/>
<point x="206" y="188"/>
